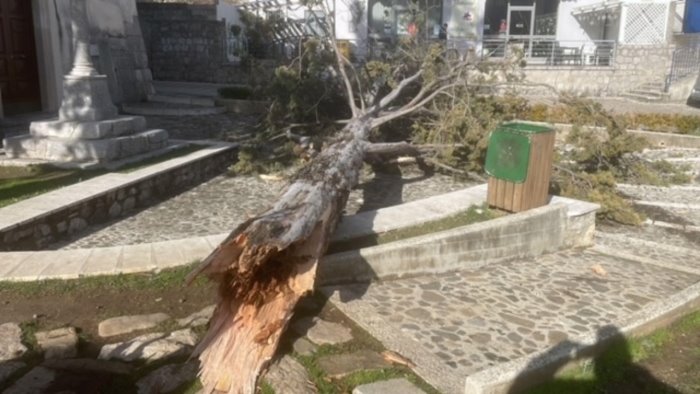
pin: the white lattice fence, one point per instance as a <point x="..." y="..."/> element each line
<point x="645" y="23"/>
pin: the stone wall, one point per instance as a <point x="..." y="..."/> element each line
<point x="186" y="42"/>
<point x="633" y="66"/>
<point x="118" y="202"/>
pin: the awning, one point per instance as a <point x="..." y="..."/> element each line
<point x="602" y="7"/>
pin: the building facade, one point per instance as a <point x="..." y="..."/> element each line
<point x="36" y="51"/>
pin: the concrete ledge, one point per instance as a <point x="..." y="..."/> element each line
<point x="529" y="371"/>
<point x="561" y="224"/>
<point x="30" y="266"/>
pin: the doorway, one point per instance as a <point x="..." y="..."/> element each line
<point x="521" y="20"/>
<point x="19" y="77"/>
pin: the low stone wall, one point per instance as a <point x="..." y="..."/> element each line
<point x="186" y="43"/>
<point x="117" y="202"/>
<point x="633" y="66"/>
<point x="564" y="223"/>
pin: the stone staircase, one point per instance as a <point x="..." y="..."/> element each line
<point x="177" y="99"/>
<point x="648" y="92"/>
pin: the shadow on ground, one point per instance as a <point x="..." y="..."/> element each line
<point x="611" y="369"/>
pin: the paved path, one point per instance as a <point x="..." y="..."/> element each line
<point x="491" y="323"/>
<point x="149" y="256"/>
<point x="218" y="205"/>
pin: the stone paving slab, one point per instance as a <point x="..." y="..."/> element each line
<point x="456" y="324"/>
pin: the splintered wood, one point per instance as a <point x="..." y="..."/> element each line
<point x="269" y="262"/>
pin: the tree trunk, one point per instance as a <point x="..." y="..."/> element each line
<point x="269" y="262"/>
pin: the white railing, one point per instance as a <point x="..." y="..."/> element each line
<point x="546" y="50"/>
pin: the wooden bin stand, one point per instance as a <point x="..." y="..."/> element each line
<point x="533" y="191"/>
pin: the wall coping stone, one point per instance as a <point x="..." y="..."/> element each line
<point x="76" y="263"/>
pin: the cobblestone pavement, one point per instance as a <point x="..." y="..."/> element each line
<point x="226" y="126"/>
<point x="218" y="205"/>
<point x="475" y="319"/>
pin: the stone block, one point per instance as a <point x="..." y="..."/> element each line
<point x="126" y="324"/>
<point x="156" y="136"/>
<point x="60" y="343"/>
<point x="86" y="99"/>
<point x="392" y="386"/>
<point x="340" y="365"/>
<point x="151" y="347"/>
<point x="11" y="346"/>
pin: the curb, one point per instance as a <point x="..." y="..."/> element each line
<point x="526" y="372"/>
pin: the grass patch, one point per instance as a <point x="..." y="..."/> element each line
<point x="236" y="92"/>
<point x="38" y="180"/>
<point x="172" y="277"/>
<point x="362" y="340"/>
<point x="474" y="214"/>
<point x="19" y="183"/>
<point x="618" y="363"/>
<point x="175" y="153"/>
<point x="29" y="329"/>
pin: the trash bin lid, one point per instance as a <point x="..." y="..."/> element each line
<point x="508" y="154"/>
<point x="524" y="128"/>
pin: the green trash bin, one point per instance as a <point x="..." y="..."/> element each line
<point x="519" y="165"/>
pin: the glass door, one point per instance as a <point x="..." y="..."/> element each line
<point x="521" y="26"/>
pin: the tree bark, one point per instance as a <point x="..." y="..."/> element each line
<point x="269" y="262"/>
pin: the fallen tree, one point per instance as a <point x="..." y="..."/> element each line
<point x="269" y="262"/>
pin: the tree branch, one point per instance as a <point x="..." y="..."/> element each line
<point x="389" y="98"/>
<point x="406" y="110"/>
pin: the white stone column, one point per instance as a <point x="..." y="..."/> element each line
<point x="86" y="95"/>
<point x="82" y="63"/>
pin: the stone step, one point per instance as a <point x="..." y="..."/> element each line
<point x="166" y="109"/>
<point x="642" y="97"/>
<point x="649" y="92"/>
<point x="198" y="101"/>
<point x="654" y="85"/>
<point x="67" y="130"/>
<point x="85" y="150"/>
<point x="677" y="257"/>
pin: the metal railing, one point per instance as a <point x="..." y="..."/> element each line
<point x="546" y="50"/>
<point x="685" y="62"/>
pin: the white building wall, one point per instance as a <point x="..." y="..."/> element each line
<point x="229" y="12"/>
<point x="351" y="24"/>
<point x="464" y="32"/>
<point x="568" y="26"/>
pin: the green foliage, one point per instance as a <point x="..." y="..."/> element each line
<point x="564" y="113"/>
<point x="308" y="89"/>
<point x="236" y="92"/>
<point x="463" y="127"/>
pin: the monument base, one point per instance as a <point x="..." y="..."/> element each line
<point x="86" y="99"/>
<point x="85" y="150"/>
<point x="71" y="130"/>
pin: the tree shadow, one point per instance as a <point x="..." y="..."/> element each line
<point x="611" y="369"/>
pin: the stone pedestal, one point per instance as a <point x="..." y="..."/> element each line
<point x="88" y="127"/>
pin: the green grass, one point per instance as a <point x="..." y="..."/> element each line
<point x="19" y="183"/>
<point x="473" y="214"/>
<point x="172" y="277"/>
<point x="610" y="367"/>
<point x="42" y="180"/>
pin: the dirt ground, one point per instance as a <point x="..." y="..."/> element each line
<point x="85" y="309"/>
